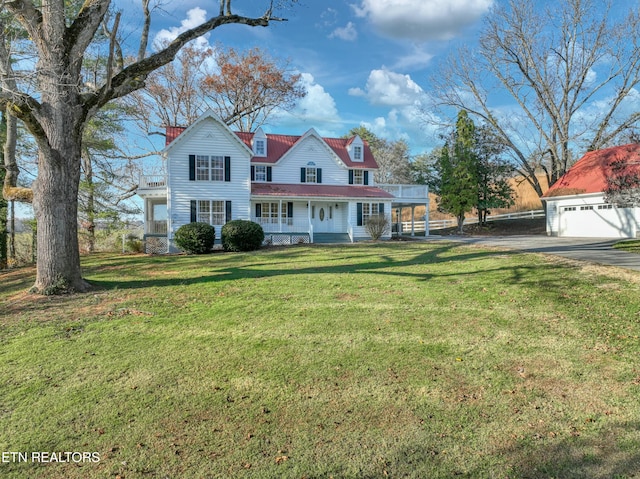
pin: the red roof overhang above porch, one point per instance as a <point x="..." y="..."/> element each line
<point x="318" y="191"/>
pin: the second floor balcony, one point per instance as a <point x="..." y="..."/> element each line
<point x="407" y="194"/>
<point x="152" y="185"/>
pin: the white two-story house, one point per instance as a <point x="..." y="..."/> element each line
<point x="299" y="188"/>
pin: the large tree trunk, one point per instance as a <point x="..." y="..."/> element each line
<point x="55" y="204"/>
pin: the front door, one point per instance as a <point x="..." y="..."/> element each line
<point x="322" y="217"/>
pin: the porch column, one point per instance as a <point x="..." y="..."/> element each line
<point x="146" y="216"/>
<point x="280" y="215"/>
<point x="413" y="220"/>
<point x="309" y="221"/>
<point x="426" y="219"/>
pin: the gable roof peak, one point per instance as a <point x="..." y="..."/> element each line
<point x="208" y="114"/>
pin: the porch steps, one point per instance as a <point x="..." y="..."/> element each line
<point x="326" y="238"/>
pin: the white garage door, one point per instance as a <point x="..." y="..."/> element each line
<point x="597" y="221"/>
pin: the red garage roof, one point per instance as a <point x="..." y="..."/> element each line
<point x="589" y="174"/>
<point x="318" y="191"/>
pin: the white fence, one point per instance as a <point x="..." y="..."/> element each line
<point x="439" y="224"/>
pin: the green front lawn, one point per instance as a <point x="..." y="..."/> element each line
<point x="424" y="360"/>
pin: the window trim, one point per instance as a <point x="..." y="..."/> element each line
<point x="260" y="147"/>
<point x="210" y="168"/>
<point x="211" y="211"/>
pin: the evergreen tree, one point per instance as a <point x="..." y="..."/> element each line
<point x="468" y="173"/>
<point x="494" y="189"/>
<point x="456" y="168"/>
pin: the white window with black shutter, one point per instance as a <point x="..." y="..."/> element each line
<point x="213" y="212"/>
<point x="274" y="212"/>
<point x="310" y="173"/>
<point x="358" y="177"/>
<point x="261" y="173"/>
<point x="364" y="211"/>
<point x="209" y="168"/>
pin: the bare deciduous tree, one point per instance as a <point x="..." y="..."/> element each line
<point x="249" y="87"/>
<point x="566" y="70"/>
<point x="57" y="111"/>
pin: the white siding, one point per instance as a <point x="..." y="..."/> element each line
<point x="208" y="138"/>
<point x="360" y="232"/>
<point x="310" y="149"/>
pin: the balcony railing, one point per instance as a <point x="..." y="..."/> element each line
<point x="418" y="193"/>
<point x="153" y="181"/>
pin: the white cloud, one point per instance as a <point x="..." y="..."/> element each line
<point x="422" y="19"/>
<point x="195" y="16"/>
<point x="416" y="60"/>
<point x="389" y="88"/>
<point x="317" y="109"/>
<point x="317" y="105"/>
<point x="347" y="33"/>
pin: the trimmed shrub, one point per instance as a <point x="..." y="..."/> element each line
<point x="242" y="235"/>
<point x="377" y="226"/>
<point x="195" y="238"/>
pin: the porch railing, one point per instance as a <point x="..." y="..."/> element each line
<point x="283" y="225"/>
<point x="156" y="227"/>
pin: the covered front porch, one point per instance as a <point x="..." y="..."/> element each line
<point x="295" y="220"/>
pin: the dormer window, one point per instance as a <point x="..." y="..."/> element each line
<point x="356" y="149"/>
<point x="260" y="143"/>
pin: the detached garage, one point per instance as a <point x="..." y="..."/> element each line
<point x="576" y="205"/>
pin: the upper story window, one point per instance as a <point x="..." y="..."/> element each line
<point x="209" y="168"/>
<point x="356" y="149"/>
<point x="358" y="177"/>
<point x="310" y="173"/>
<point x="261" y="173"/>
<point x="259" y="143"/>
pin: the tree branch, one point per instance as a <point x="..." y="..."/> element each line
<point x="132" y="77"/>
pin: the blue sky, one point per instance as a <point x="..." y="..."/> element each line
<point x="363" y="62"/>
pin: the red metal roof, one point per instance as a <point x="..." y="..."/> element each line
<point x="318" y="191"/>
<point x="589" y="174"/>
<point x="278" y="145"/>
<point x="172" y="132"/>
